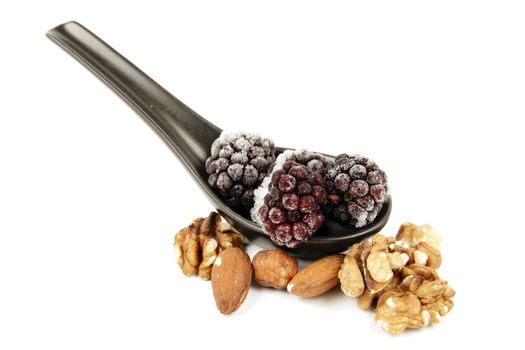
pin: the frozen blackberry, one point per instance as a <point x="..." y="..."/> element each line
<point x="290" y="210"/>
<point x="357" y="189"/>
<point x="315" y="161"/>
<point x="237" y="165"/>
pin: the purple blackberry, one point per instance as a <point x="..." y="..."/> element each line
<point x="237" y="165"/>
<point x="291" y="212"/>
<point x="357" y="189"/>
<point x="314" y="161"/>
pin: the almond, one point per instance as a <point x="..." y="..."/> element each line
<point x="317" y="278"/>
<point x="274" y="268"/>
<point x="231" y="277"/>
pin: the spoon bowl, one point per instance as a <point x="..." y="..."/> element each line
<point x="190" y="137"/>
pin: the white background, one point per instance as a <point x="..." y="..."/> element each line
<point x="90" y="198"/>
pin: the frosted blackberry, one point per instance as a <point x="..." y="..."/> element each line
<point x="237" y="165"/>
<point x="315" y="161"/>
<point x="290" y="210"/>
<point x="357" y="189"/>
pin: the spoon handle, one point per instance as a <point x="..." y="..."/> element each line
<point x="189" y="135"/>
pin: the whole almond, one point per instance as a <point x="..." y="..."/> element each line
<point x="231" y="277"/>
<point x="274" y="268"/>
<point x="317" y="278"/>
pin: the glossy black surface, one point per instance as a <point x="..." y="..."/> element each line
<point x="189" y="135"/>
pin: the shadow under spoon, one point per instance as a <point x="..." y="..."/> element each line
<point x="190" y="136"/>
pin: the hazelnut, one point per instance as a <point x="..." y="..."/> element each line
<point x="274" y="268"/>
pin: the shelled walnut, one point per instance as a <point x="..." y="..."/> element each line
<point x="198" y="245"/>
<point x="401" y="311"/>
<point x="413" y="234"/>
<point x="371" y="266"/>
<point x="401" y="275"/>
<point x="419" y="300"/>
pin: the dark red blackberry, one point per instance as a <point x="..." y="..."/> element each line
<point x="357" y="189"/>
<point x="315" y="161"/>
<point x="291" y="210"/>
<point x="237" y="165"/>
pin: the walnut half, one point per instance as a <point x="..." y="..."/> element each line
<point x="419" y="300"/>
<point x="400" y="273"/>
<point x="370" y="267"/>
<point x="401" y="311"/>
<point x="352" y="283"/>
<point x="413" y="234"/>
<point x="198" y="245"/>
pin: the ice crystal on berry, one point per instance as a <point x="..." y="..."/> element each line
<point x="357" y="189"/>
<point x="288" y="204"/>
<point x="237" y="165"/>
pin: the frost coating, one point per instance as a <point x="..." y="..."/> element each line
<point x="262" y="190"/>
<point x="237" y="165"/>
<point x="314" y="161"/>
<point x="357" y="189"/>
<point x="288" y="204"/>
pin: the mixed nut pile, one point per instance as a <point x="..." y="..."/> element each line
<point x="292" y="195"/>
<point x="395" y="275"/>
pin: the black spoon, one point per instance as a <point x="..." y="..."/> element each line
<point x="190" y="136"/>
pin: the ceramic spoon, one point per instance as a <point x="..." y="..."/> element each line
<point x="190" y="136"/>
